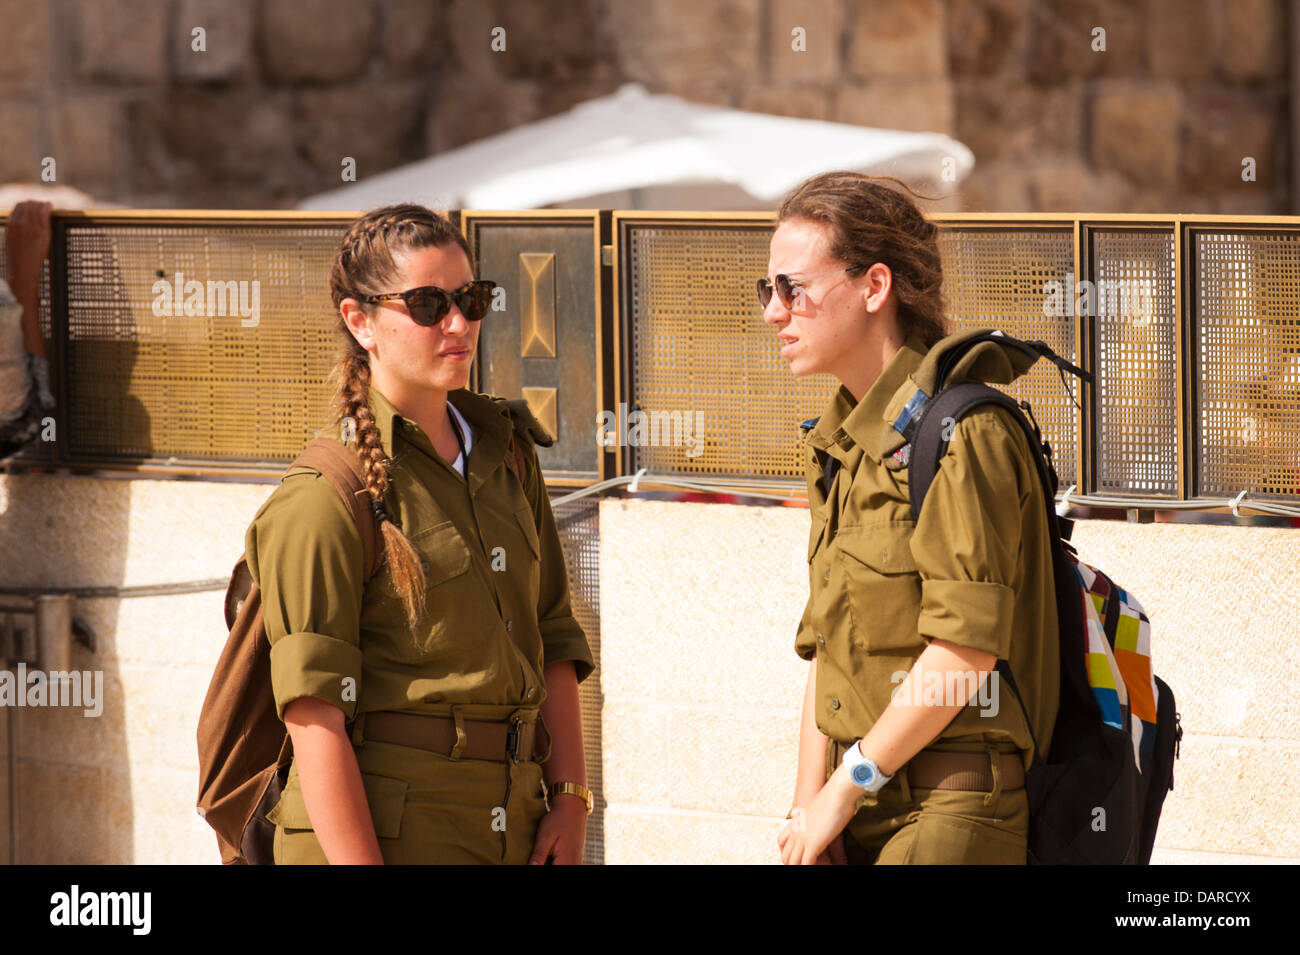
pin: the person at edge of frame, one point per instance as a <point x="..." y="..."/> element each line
<point x="433" y="709"/>
<point x="929" y="770"/>
<point x="26" y="401"/>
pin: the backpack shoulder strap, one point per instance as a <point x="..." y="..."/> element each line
<point x="931" y="443"/>
<point x="517" y="460"/>
<point x="933" y="431"/>
<point x="342" y="467"/>
<point x="528" y="431"/>
<point x="933" y="424"/>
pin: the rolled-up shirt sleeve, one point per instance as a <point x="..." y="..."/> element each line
<point x="967" y="540"/>
<point x="304" y="551"/>
<point x="562" y="636"/>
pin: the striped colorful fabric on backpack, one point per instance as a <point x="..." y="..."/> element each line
<point x="1117" y="729"/>
<point x="1119" y="657"/>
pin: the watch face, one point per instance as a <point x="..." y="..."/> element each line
<point x="862" y="774"/>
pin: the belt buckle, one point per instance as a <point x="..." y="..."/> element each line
<point x="512" y="739"/>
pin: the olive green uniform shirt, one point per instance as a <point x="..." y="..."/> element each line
<point x="497" y="597"/>
<point x="975" y="570"/>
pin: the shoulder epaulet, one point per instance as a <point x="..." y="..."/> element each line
<point x="300" y="469"/>
<point x="527" y="431"/>
<point x="525" y="422"/>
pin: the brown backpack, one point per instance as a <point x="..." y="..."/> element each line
<point x="244" y="748"/>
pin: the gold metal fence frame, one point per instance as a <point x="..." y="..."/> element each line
<point x="610" y="230"/>
<point x="607" y="367"/>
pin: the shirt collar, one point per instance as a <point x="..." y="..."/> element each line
<point x="386" y="418"/>
<point x="489" y="420"/>
<point x="868" y="424"/>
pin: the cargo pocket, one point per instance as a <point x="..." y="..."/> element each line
<point x="953" y="828"/>
<point x="385" y="796"/>
<point x="387" y="799"/>
<point x="883" y="586"/>
<point x="290" y="812"/>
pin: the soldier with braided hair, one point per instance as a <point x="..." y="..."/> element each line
<point x="433" y="709"/>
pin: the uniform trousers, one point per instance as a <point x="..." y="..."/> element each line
<point x="429" y="809"/>
<point x="906" y="825"/>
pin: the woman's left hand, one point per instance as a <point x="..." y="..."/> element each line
<point x="807" y="836"/>
<point x="562" y="833"/>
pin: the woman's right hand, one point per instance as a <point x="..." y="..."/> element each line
<point x="834" y="854"/>
<point x="811" y="772"/>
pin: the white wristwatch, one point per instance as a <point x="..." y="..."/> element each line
<point x="863" y="771"/>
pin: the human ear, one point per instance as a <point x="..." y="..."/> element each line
<point x="876" y="285"/>
<point x="358" y="322"/>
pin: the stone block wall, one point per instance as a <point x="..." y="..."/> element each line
<point x="699" y="608"/>
<point x="701" y="686"/>
<point x="120" y="787"/>
<point x="1158" y="118"/>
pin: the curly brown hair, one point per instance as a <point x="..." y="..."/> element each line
<point x="365" y="265"/>
<point x="871" y="222"/>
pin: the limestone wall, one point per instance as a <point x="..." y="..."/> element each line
<point x="1157" y="121"/>
<point x="699" y="604"/>
<point x="121" y="787"/>
<point x="702" y="687"/>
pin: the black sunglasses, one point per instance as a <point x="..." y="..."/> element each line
<point x="429" y="304"/>
<point x="785" y="287"/>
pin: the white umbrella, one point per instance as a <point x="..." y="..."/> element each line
<point x="61" y="197"/>
<point x="652" y="145"/>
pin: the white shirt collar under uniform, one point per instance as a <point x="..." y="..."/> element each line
<point x="459" y="463"/>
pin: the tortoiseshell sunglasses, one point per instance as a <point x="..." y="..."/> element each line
<point x="429" y="304"/>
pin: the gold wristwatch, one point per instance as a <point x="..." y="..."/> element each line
<point x="573" y="789"/>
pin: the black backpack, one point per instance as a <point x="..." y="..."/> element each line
<point x="1091" y="764"/>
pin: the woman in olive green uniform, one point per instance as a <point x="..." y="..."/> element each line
<point x="910" y="749"/>
<point x="433" y="709"/>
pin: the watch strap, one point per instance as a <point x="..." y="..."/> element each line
<point x="573" y="789"/>
<point x="854" y="757"/>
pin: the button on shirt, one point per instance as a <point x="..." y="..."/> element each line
<point x="497" y="606"/>
<point x="975" y="570"/>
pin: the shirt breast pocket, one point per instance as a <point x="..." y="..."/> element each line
<point x="443" y="553"/>
<point x="445" y="560"/>
<point x="883" y="586"/>
<point x="528" y="527"/>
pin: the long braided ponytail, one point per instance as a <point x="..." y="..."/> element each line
<point x="364" y="265"/>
